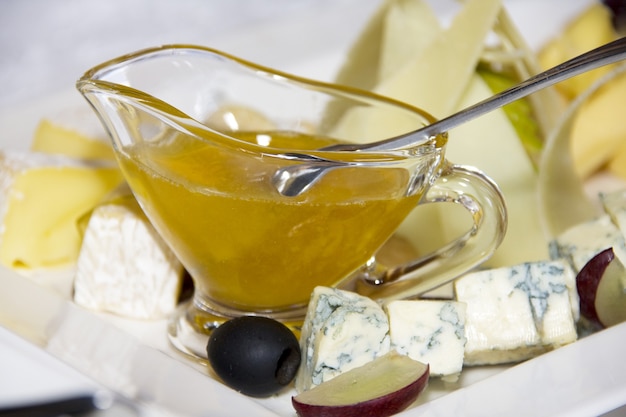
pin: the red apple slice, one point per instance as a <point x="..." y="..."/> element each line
<point x="601" y="285"/>
<point x="380" y="388"/>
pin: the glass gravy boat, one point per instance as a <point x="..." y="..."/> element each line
<point x="199" y="135"/>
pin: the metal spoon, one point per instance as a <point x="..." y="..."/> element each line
<point x="293" y="180"/>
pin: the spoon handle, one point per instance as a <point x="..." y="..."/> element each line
<point x="604" y="55"/>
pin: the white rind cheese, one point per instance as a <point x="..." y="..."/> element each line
<point x="342" y="330"/>
<point x="515" y="313"/>
<point x="124" y="267"/>
<point x="429" y="331"/>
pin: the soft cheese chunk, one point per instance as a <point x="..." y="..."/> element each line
<point x="514" y="313"/>
<point x="342" y="330"/>
<point x="429" y="331"/>
<point x="124" y="267"/>
<point x="42" y="198"/>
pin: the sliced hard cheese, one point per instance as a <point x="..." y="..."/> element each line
<point x="440" y="79"/>
<point x="592" y="28"/>
<point x="490" y="143"/>
<point x="342" y="330"/>
<point x="361" y="67"/>
<point x="124" y="266"/>
<point x="435" y="79"/>
<point x="429" y="331"/>
<point x="515" y="313"/>
<point x="599" y="130"/>
<point x="617" y="164"/>
<point x="42" y="199"/>
<point x="409" y="27"/>
<point x="55" y="139"/>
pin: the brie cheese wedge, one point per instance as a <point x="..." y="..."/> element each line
<point x="124" y="267"/>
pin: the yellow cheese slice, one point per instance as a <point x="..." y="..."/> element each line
<point x="617" y="165"/>
<point x="55" y="139"/>
<point x="44" y="198"/>
<point x="599" y="129"/>
<point x="587" y="31"/>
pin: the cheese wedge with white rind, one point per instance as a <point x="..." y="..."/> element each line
<point x="42" y="199"/>
<point x="124" y="266"/>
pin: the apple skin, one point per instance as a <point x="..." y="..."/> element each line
<point x="381" y="406"/>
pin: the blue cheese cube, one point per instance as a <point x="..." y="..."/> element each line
<point x="341" y="331"/>
<point x="582" y="242"/>
<point x="429" y="331"/>
<point x="550" y="287"/>
<point x="499" y="325"/>
<point x="614" y="204"/>
<point x="515" y="313"/>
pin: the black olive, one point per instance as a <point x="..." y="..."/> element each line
<point x="256" y="356"/>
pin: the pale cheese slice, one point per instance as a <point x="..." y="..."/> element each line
<point x="42" y="198"/>
<point x="361" y="67"/>
<point x="491" y="143"/>
<point x="409" y="27"/>
<point x="436" y="79"/>
<point x="433" y="80"/>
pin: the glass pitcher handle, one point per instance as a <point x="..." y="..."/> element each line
<point x="482" y="198"/>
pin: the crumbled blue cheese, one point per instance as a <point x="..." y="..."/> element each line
<point x="582" y="242"/>
<point x="429" y="331"/>
<point x="515" y="313"/>
<point x="342" y="330"/>
<point x="124" y="267"/>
